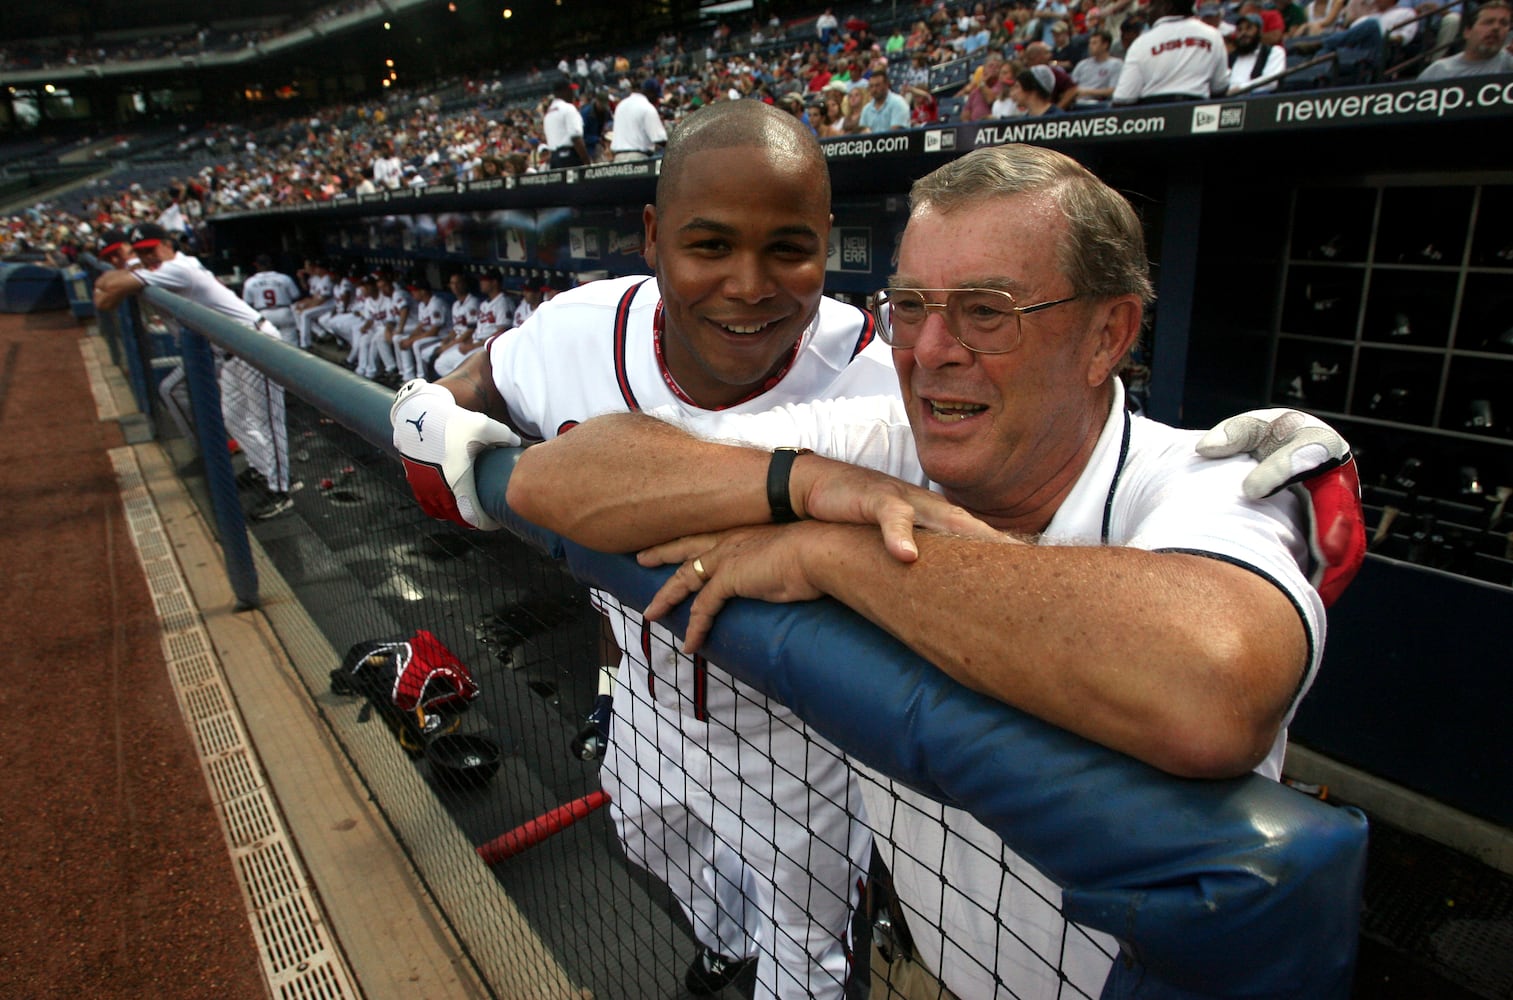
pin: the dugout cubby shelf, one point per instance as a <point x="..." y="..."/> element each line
<point x="1395" y="323"/>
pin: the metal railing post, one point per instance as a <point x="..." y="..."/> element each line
<point x="220" y="480"/>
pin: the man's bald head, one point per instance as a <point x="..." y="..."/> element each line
<point x="736" y="124"/>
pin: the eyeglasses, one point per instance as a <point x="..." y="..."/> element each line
<point x="983" y="320"/>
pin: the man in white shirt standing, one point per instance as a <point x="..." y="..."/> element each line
<point x="562" y="127"/>
<point x="639" y="132"/>
<point x="1180" y="58"/>
<point x="252" y="404"/>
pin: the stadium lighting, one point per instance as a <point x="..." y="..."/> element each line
<point x="452" y="7"/>
<point x="49" y="88"/>
<point x="387" y="82"/>
<point x="386" y="25"/>
<point x="389" y="63"/>
<point x="508" y="13"/>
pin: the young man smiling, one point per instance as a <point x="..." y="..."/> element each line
<point x="702" y="770"/>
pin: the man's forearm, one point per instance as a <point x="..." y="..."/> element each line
<point x="472" y="385"/>
<point x="651" y="482"/>
<point x="1184" y="662"/>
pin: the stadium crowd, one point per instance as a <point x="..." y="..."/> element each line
<point x="838" y="76"/>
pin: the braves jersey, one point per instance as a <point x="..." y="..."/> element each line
<point x="432" y="314"/>
<point x="704" y="773"/>
<point x="269" y="290"/>
<point x="1143" y="487"/>
<point x="345" y="294"/>
<point x="397" y="306"/>
<point x="465" y="314"/>
<point x="186" y="276"/>
<point x="493" y="317"/>
<point x="320" y="286"/>
<point x="1178" y="56"/>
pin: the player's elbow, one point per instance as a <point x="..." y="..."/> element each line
<point x="1229" y="727"/>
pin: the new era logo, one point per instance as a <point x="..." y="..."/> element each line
<point x="1218" y="117"/>
<point x="939" y="139"/>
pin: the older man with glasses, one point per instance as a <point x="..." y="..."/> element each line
<point x="1129" y="590"/>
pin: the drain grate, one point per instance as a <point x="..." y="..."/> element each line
<point x="299" y="963"/>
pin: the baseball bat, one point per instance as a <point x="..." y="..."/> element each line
<point x="533" y="832"/>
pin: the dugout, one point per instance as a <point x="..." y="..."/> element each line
<point x="1348" y="252"/>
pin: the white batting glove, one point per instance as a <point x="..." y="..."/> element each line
<point x="1302" y="452"/>
<point x="438" y="441"/>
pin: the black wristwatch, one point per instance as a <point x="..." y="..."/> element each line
<point x="778" y="472"/>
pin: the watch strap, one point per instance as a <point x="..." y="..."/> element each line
<point x="779" y="470"/>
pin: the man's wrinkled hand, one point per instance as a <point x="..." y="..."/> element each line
<point x="849" y="494"/>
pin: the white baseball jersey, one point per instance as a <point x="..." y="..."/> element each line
<point x="269" y="290"/>
<point x="397" y="304"/>
<point x="432" y="313"/>
<point x="974" y="908"/>
<point x="700" y="766"/>
<point x="186" y="276"/>
<point x="345" y="294"/>
<point x="523" y="312"/>
<point x="252" y="405"/>
<point x="1179" y="56"/>
<point x="493" y="317"/>
<point x="320" y="286"/>
<point x="465" y="314"/>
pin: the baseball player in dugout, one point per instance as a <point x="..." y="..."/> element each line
<point x="252" y="405"/>
<point x="733" y="323"/>
<point x="1125" y="585"/>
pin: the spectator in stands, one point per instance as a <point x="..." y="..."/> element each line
<point x="986" y="85"/>
<point x="597" y="119"/>
<point x="562" y="126"/>
<point x="1212" y="15"/>
<point x="1130" y="30"/>
<point x="794" y="105"/>
<point x="386" y="168"/>
<point x="1098" y="74"/>
<point x="887" y="111"/>
<point x="1320" y="17"/>
<point x="1486" y="46"/>
<point x="1031" y="90"/>
<point x="1066" y="50"/>
<point x="1179" y="59"/>
<point x="826" y="25"/>
<point x="1253" y="65"/>
<point x="1019" y="419"/>
<point x="1359" y="46"/>
<point x="1065" y="91"/>
<point x="924" y="109"/>
<point x="639" y="132"/>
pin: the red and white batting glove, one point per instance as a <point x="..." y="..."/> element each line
<point x="438" y="441"/>
<point x="1300" y="452"/>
